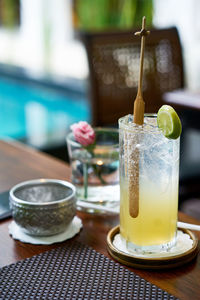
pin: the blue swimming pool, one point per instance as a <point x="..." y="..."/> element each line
<point x="39" y="114"/>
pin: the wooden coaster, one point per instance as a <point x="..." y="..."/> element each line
<point x="151" y="263"/>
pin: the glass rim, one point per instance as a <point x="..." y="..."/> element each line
<point x="138" y="128"/>
<point x="96" y="129"/>
<point x="153" y="115"/>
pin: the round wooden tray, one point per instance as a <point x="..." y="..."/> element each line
<point x="152" y="262"/>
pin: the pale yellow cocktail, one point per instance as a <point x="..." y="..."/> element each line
<point x="155" y="226"/>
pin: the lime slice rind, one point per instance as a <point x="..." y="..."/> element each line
<point x="169" y="123"/>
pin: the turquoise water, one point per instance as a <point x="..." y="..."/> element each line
<point x="28" y="111"/>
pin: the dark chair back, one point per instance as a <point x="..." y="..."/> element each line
<point x="114" y="71"/>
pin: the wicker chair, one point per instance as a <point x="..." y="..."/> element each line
<point x="114" y="70"/>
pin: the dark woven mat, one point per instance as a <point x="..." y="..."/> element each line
<point x="74" y="271"/>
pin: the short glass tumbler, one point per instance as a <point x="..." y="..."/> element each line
<point x="149" y="168"/>
<point x="95" y="172"/>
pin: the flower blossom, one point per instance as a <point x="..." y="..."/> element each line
<point x="83" y="133"/>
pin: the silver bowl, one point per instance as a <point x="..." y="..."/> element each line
<point x="43" y="207"/>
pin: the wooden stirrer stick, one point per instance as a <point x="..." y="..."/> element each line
<point x="139" y="104"/>
<point x="138" y="118"/>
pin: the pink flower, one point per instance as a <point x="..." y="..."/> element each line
<point x="83" y="133"/>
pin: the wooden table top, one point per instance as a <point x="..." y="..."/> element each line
<point x="19" y="163"/>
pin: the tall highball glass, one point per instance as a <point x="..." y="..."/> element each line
<point x="149" y="162"/>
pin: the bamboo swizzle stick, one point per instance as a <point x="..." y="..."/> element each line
<point x="139" y="104"/>
<point x="138" y="118"/>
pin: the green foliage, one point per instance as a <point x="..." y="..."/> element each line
<point x="96" y="15"/>
<point x="9" y="15"/>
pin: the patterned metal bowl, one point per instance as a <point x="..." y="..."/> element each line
<point x="43" y="207"/>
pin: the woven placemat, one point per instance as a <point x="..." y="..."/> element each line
<point x="74" y="271"/>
